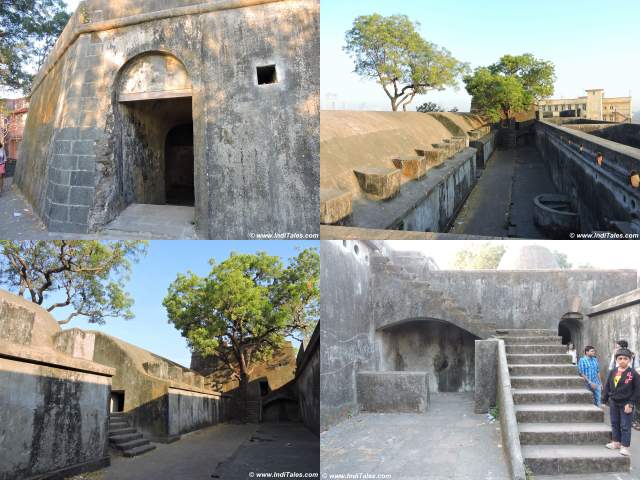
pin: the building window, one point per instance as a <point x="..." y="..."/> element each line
<point x="556" y="108"/>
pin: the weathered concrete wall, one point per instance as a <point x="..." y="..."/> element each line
<point x="308" y="383"/>
<point x="625" y="133"/>
<point x="485" y="147"/>
<point x="435" y="207"/>
<point x="486" y="374"/>
<point x="53" y="407"/>
<point x="530" y="299"/>
<point x="52" y="416"/>
<point x="188" y="411"/>
<point x="388" y="392"/>
<point x="256" y="147"/>
<point x="444" y="352"/>
<point x="602" y="194"/>
<point x="617" y="318"/>
<point x="346" y="332"/>
<point x="162" y="398"/>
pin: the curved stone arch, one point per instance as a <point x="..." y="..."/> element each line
<point x="571" y="327"/>
<point x="455" y="322"/>
<point x="444" y="349"/>
<point x="153" y="74"/>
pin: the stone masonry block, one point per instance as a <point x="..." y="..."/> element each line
<point x="462" y="140"/>
<point x="379" y="183"/>
<point x="78" y="214"/>
<point x="83" y="147"/>
<point x="446" y="147"/>
<point x="59" y="213"/>
<point x="65" y="162"/>
<point x="81" y="196"/>
<point x="335" y="205"/>
<point x="388" y="392"/>
<point x="486" y="374"/>
<point x="82" y="179"/>
<point x="60" y="193"/>
<point x="86" y="163"/>
<point x="412" y="167"/>
<point x="61" y="177"/>
<point x="63" y="147"/>
<point x="67" y="227"/>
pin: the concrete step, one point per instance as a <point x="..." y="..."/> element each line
<point x="538" y="359"/>
<point x="127" y="437"/>
<point x="567" y="413"/>
<point x="134" y="452"/>
<point x="123" y="432"/>
<point x="527" y="332"/>
<point x="547" y="382"/>
<point x="567" y="459"/>
<point x="118" y="414"/>
<point x="115" y="424"/>
<point x="542" y="370"/>
<point x="543" y="340"/>
<point x="557" y="349"/>
<point x="564" y="433"/>
<point x="546" y="396"/>
<point x="132" y="444"/>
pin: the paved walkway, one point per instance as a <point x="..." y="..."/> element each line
<point x="501" y="204"/>
<point x="449" y="442"/>
<point x="226" y="452"/>
<point x="18" y="222"/>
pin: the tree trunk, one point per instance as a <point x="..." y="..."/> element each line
<point x="244" y="397"/>
<point x="394" y="105"/>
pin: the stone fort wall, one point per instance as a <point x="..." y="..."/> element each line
<point x="256" y="146"/>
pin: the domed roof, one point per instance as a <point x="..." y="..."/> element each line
<point x="528" y="257"/>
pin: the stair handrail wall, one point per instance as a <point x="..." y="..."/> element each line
<point x="507" y="414"/>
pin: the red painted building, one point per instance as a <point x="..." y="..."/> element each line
<point x="13" y="117"/>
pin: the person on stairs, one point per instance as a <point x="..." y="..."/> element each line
<point x="622" y="392"/>
<point x="589" y="369"/>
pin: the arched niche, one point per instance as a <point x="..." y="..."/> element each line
<point x="571" y="329"/>
<point x="153" y="76"/>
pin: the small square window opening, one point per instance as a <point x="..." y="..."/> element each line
<point x="267" y="75"/>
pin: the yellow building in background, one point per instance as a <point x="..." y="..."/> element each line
<point x="593" y="106"/>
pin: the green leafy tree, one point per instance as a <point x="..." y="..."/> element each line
<point x="486" y="256"/>
<point x="429" y="107"/>
<point x="86" y="276"/>
<point x="562" y="259"/>
<point x="495" y="95"/>
<point x="246" y="307"/>
<point x="537" y="76"/>
<point x="510" y="86"/>
<point x="391" y="51"/>
<point x="28" y="31"/>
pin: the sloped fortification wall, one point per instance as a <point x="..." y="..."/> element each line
<point x="256" y="147"/>
<point x="53" y="407"/>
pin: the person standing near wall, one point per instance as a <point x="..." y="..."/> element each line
<point x="571" y="350"/>
<point x="589" y="369"/>
<point x="622" y="390"/>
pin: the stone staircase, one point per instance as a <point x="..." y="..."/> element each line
<point x="561" y="431"/>
<point x="125" y="438"/>
<point x="254" y="410"/>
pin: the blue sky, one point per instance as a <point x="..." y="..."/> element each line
<point x="150" y="279"/>
<point x="592" y="43"/>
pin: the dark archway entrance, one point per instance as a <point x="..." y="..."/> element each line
<point x="179" y="166"/>
<point x="442" y="349"/>
<point x="570" y="329"/>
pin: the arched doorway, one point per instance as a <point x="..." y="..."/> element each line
<point x="570" y="329"/>
<point x="444" y="350"/>
<point x="154" y="148"/>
